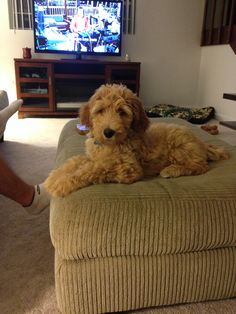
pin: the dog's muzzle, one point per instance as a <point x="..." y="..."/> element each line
<point x="108" y="133"/>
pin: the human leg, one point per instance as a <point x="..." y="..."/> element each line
<point x="33" y="198"/>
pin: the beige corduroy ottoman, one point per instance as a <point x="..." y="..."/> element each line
<point x="156" y="242"/>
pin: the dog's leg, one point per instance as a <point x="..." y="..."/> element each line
<point x="187" y="156"/>
<point x="80" y="171"/>
<point x="216" y="152"/>
<point x="176" y="170"/>
<point x="61" y="181"/>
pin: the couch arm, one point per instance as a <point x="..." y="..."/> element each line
<point x="4" y="102"/>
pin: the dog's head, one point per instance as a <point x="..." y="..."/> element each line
<point x="112" y="113"/>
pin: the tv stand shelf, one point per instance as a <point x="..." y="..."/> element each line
<point x="59" y="87"/>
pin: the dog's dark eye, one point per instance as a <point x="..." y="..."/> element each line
<point x="100" y="111"/>
<point x="122" y="113"/>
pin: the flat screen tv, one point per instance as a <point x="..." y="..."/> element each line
<point x="78" y="27"/>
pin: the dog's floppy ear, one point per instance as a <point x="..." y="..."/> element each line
<point x="140" y="120"/>
<point x="84" y="115"/>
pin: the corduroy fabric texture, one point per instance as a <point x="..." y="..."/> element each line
<point x="158" y="241"/>
<point x="112" y="284"/>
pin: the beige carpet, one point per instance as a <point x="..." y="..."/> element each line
<point x="26" y="253"/>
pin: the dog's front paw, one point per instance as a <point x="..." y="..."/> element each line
<point x="60" y="186"/>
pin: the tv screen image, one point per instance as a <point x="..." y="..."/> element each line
<point x="78" y="27"/>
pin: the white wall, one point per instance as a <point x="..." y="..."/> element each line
<point x="11" y="47"/>
<point x="218" y="76"/>
<point x="167" y="42"/>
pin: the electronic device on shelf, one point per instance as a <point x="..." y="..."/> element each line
<point x="78" y="27"/>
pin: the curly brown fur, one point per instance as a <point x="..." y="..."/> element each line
<point x="123" y="147"/>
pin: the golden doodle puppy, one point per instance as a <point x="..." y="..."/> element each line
<point x="123" y="147"/>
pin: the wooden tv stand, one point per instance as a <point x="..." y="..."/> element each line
<point x="59" y="87"/>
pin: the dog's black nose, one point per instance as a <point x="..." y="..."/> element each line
<point x="109" y="132"/>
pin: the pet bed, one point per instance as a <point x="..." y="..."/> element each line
<point x="193" y="115"/>
<point x="154" y="242"/>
